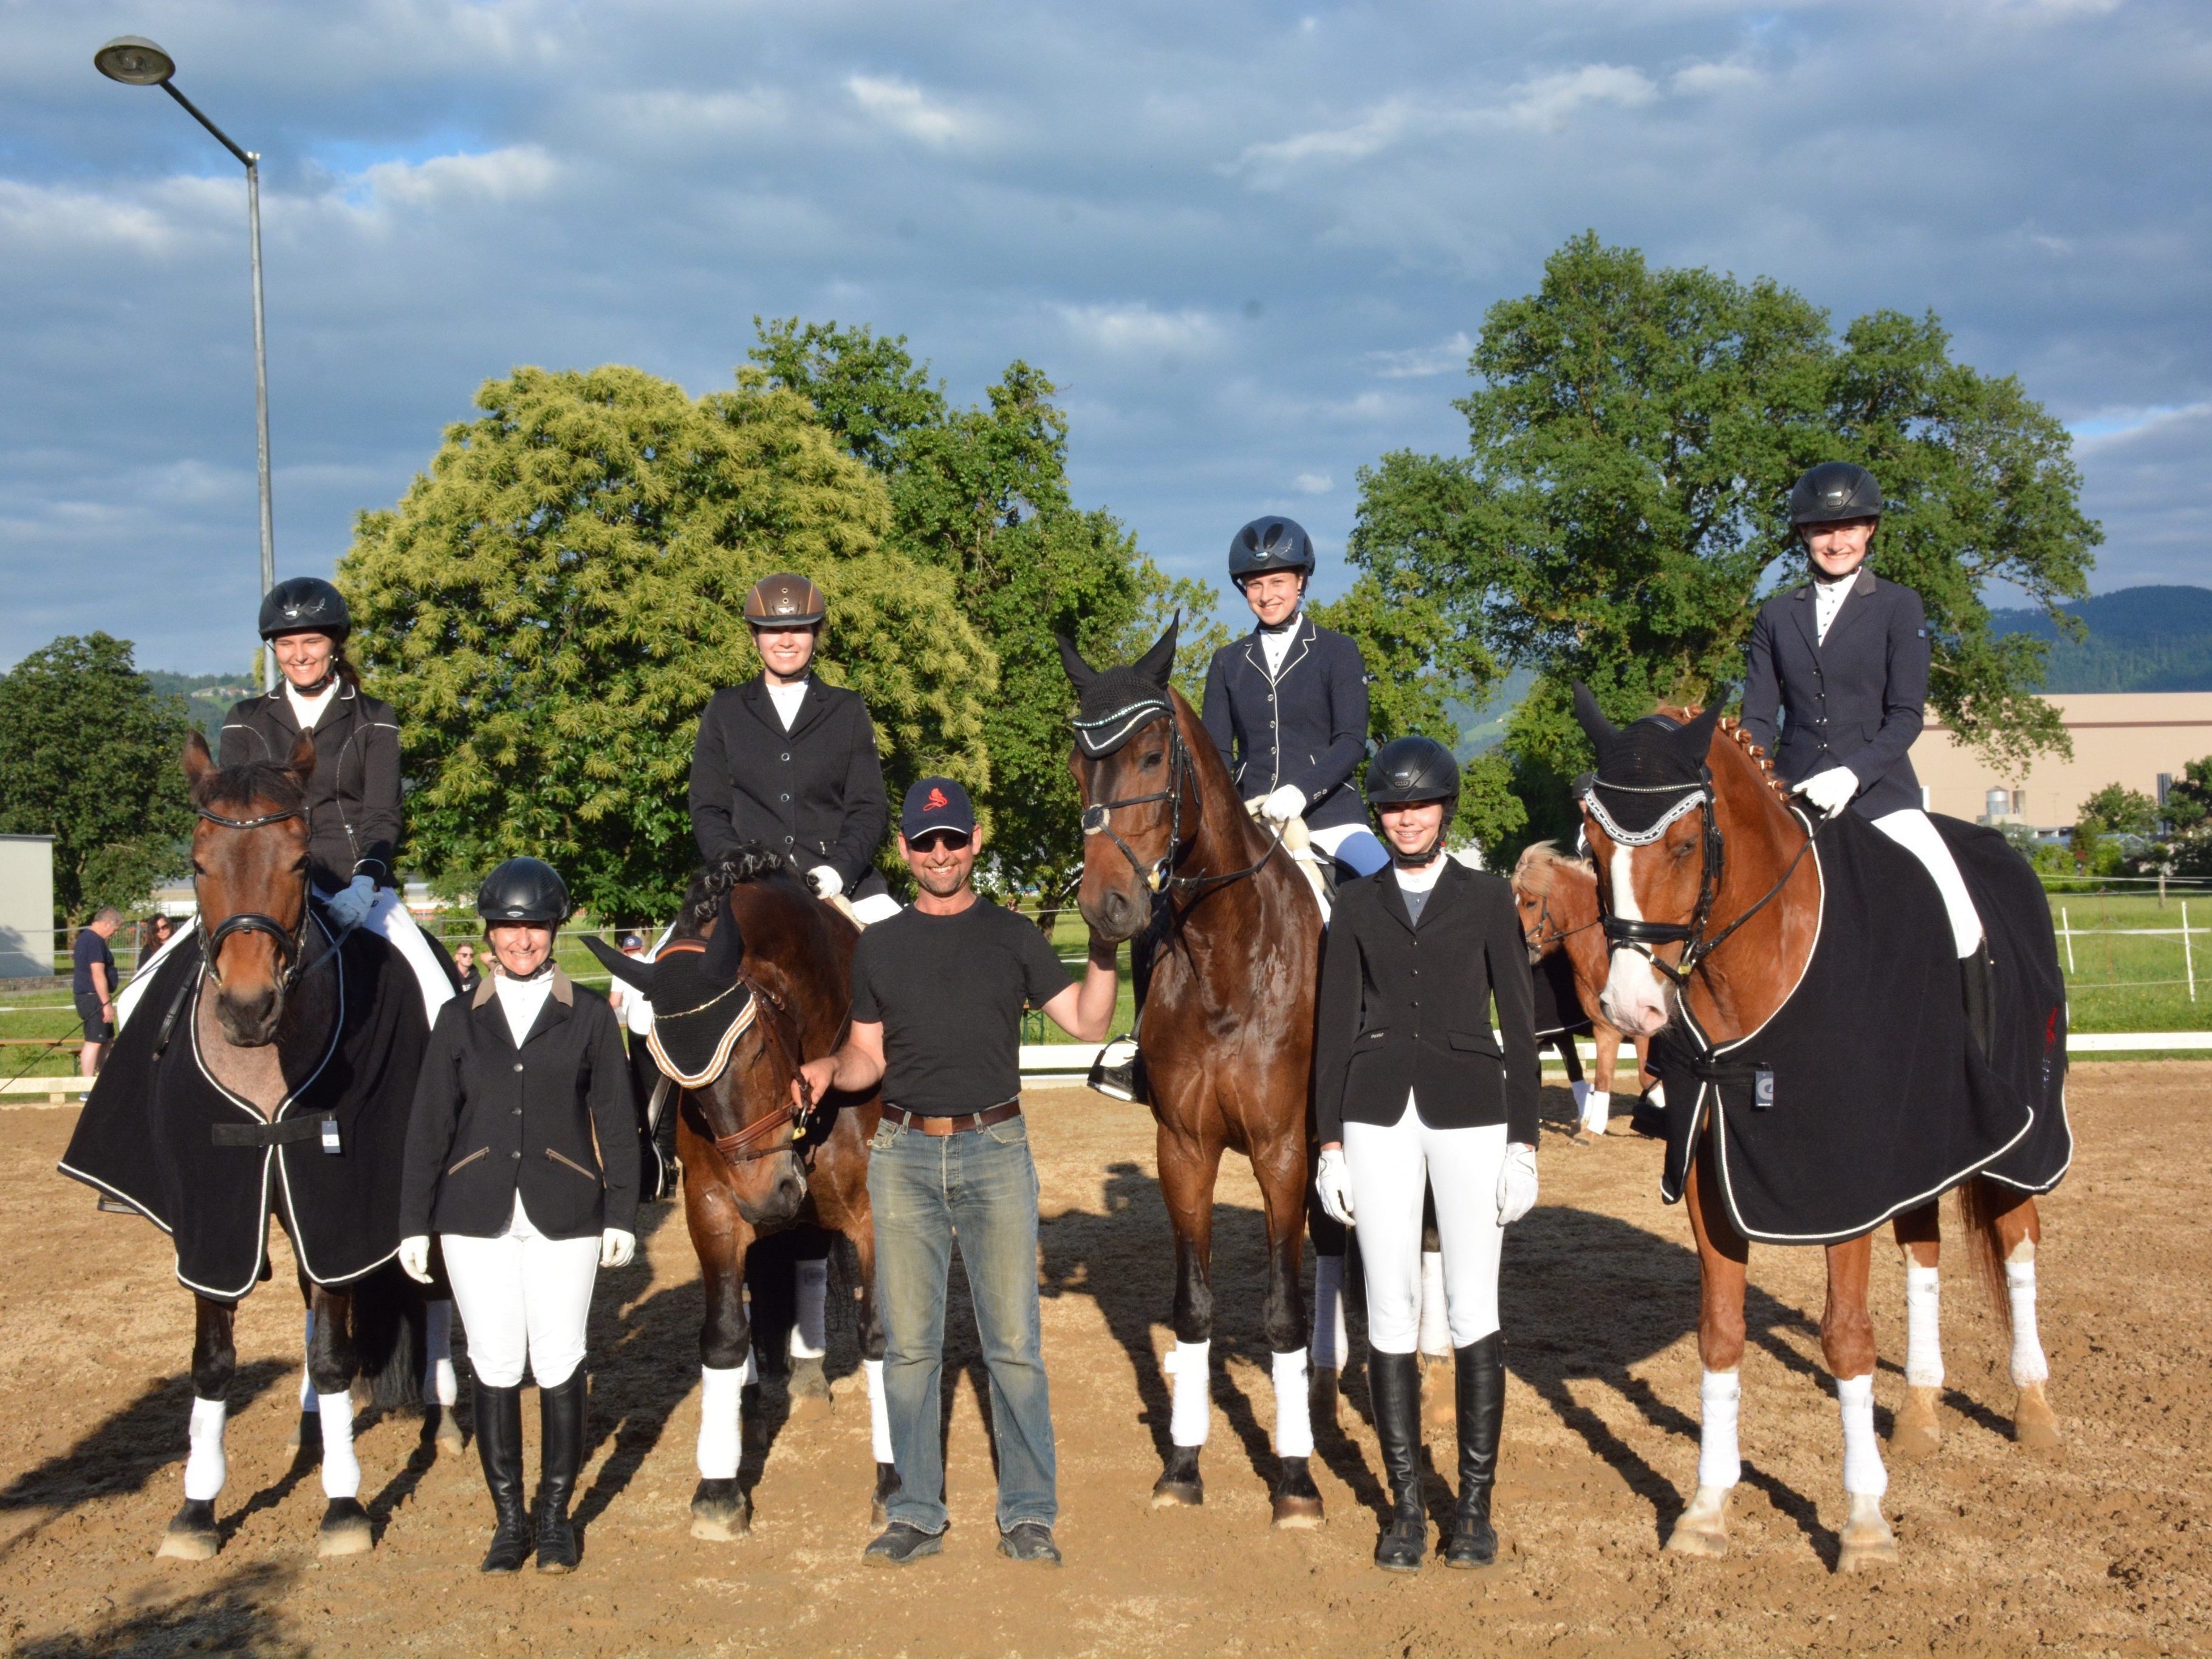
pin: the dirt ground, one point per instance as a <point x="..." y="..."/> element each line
<point x="2105" y="1547"/>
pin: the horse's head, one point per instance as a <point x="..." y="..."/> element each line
<point x="1650" y="814"/>
<point x="249" y="876"/>
<point x="1545" y="894"/>
<point x="732" y="1044"/>
<point x="1136" y="780"/>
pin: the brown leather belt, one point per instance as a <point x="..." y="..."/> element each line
<point x="952" y="1125"/>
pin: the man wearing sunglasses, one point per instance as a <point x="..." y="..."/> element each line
<point x="937" y="995"/>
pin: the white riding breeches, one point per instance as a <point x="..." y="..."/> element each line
<point x="1916" y="832"/>
<point x="523" y="1297"/>
<point x="1389" y="1165"/>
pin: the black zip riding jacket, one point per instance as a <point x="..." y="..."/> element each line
<point x="353" y="802"/>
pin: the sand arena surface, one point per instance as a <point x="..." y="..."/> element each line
<point x="2105" y="1547"/>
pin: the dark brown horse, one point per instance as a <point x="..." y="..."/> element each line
<point x="1228" y="1025"/>
<point x="1558" y="899"/>
<point x="757" y="981"/>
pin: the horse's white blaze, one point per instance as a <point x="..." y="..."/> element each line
<point x="1293" y="1422"/>
<point x="205" y="1469"/>
<point x="341" y="1469"/>
<point x="1720" y="1464"/>
<point x="2029" y="1363"/>
<point x="1924" y="1340"/>
<point x="1634" y="1001"/>
<point x="1864" y="1473"/>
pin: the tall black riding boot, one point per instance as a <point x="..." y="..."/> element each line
<point x="1394" y="1387"/>
<point x="1978" y="977"/>
<point x="1482" y="1399"/>
<point x="560" y="1423"/>
<point x="499" y="1444"/>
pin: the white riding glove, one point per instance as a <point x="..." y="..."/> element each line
<point x="1285" y="803"/>
<point x="828" y="884"/>
<point x="349" y="906"/>
<point x="1517" y="1183"/>
<point x="1333" y="1185"/>
<point x="415" y="1257"/>
<point x="1830" y="790"/>
<point x="617" y="1247"/>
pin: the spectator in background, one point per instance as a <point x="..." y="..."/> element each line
<point x="152" y="934"/>
<point x="464" y="964"/>
<point x="93" y="983"/>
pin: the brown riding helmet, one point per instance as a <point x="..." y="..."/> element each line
<point x="785" y="600"/>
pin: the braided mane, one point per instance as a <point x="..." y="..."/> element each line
<point x="1733" y="728"/>
<point x="709" y="889"/>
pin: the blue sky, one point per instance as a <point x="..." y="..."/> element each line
<point x="1251" y="242"/>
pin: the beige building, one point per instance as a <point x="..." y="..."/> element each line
<point x="2137" y="738"/>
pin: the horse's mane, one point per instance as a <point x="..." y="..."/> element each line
<point x="1539" y="866"/>
<point x="1762" y="766"/>
<point x="710" y="888"/>
<point x="249" y="783"/>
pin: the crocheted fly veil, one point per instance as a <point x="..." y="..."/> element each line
<point x="1649" y="773"/>
<point x="1112" y="704"/>
<point x="701" y="1004"/>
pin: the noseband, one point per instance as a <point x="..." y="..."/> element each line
<point x="1099" y="737"/>
<point x="1547" y="933"/>
<point x="291" y="942"/>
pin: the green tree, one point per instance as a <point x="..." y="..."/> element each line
<point x="2189" y="801"/>
<point x="2117" y="810"/>
<point x="553" y="603"/>
<point x="1632" y="436"/>
<point x="981" y="494"/>
<point x="91" y="754"/>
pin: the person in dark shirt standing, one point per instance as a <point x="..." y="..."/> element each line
<point x="92" y="982"/>
<point x="938" y="994"/>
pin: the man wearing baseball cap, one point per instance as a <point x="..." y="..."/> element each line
<point x="938" y="994"/>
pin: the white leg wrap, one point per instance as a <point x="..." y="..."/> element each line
<point x="1864" y="1473"/>
<point x="1924" y="1337"/>
<point x="1435" y="1317"/>
<point x="1597" y="1110"/>
<point x="205" y="1468"/>
<point x="721" y="1394"/>
<point x="2029" y="1363"/>
<point x="1719" y="1395"/>
<point x="1191" y="1366"/>
<point x="880" y="1410"/>
<point x="307" y="1383"/>
<point x="1293" y="1425"/>
<point x="810" y="1331"/>
<point x="1657" y="1094"/>
<point x="1580" y="1086"/>
<point x="341" y="1469"/>
<point x="439" y="1386"/>
<point x="1331" y="1341"/>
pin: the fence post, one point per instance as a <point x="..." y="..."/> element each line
<point x="2066" y="931"/>
<point x="2188" y="955"/>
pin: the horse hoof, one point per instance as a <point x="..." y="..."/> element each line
<point x="446" y="1440"/>
<point x="345" y="1529"/>
<point x="1177" y="1494"/>
<point x="887" y="1486"/>
<point x="721" y="1512"/>
<point x="2034" y="1424"/>
<point x="1702" y="1533"/>
<point x="1296" y="1500"/>
<point x="1917" y="1432"/>
<point x="191" y="1535"/>
<point x="1867" y="1540"/>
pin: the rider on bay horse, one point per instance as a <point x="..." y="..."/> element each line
<point x="1843" y="661"/>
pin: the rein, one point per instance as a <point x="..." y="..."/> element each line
<point x="1098" y="816"/>
<point x="291" y="942"/>
<point x="742" y="1146"/>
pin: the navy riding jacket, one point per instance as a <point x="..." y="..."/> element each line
<point x="1855" y="699"/>
<point x="1307" y="725"/>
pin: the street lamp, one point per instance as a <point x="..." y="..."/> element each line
<point x="137" y="62"/>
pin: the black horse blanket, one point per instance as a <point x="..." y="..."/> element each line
<point x="160" y="1133"/>
<point x="1558" y="1005"/>
<point x="1863" y="1095"/>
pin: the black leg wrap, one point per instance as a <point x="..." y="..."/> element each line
<point x="561" y="1424"/>
<point x="1481" y="1400"/>
<point x="499" y="1445"/>
<point x="1394" y="1385"/>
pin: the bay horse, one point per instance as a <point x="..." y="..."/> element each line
<point x="1227" y="1029"/>
<point x="267" y="1005"/>
<point x="756" y="979"/>
<point x="1713" y="910"/>
<point x="1557" y="897"/>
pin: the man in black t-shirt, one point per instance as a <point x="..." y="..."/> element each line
<point x="938" y="994"/>
<point x="93" y="986"/>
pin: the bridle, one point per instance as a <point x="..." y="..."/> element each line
<point x="1545" y="934"/>
<point x="291" y="942"/>
<point x="770" y="1014"/>
<point x="1102" y="737"/>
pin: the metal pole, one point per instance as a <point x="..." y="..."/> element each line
<point x="2188" y="955"/>
<point x="261" y="405"/>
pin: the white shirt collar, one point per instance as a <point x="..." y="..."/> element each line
<point x="306" y="709"/>
<point x="1275" y="642"/>
<point x="787" y="699"/>
<point x="522" y="1000"/>
<point x="1421" y="880"/>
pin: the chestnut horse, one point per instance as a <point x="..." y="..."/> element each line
<point x="1558" y="899"/>
<point x="1721" y="877"/>
<point x="1227" y="1029"/>
<point x="757" y="980"/>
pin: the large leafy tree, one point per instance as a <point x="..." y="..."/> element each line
<point x="1620" y="510"/>
<point x="91" y="754"/>
<point x="981" y="494"/>
<point x="552" y="604"/>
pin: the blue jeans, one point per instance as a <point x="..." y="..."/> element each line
<point x="981" y="1187"/>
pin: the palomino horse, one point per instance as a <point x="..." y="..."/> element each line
<point x="1558" y="900"/>
<point x="757" y="981"/>
<point x="289" y="1044"/>
<point x="1716" y="897"/>
<point x="1228" y="1025"/>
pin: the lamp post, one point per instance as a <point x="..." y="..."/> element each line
<point x="137" y="62"/>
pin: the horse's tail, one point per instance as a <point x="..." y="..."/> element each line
<point x="1980" y="1203"/>
<point x="390" y="1337"/>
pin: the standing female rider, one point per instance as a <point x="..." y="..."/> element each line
<point x="1411" y="1091"/>
<point x="522" y="1155"/>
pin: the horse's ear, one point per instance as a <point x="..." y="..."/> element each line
<point x="629" y="970"/>
<point x="1079" y="673"/>
<point x="301" y="762"/>
<point x="1156" y="664"/>
<point x="1694" y="741"/>
<point x="726" y="949"/>
<point x="199" y="763"/>
<point x="1601" y="730"/>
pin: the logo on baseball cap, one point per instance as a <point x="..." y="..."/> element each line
<point x="936" y="804"/>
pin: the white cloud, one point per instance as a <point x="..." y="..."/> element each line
<point x="1546" y="101"/>
<point x="1313" y="483"/>
<point x="1703" y="80"/>
<point x="904" y="107"/>
<point x="2118" y="425"/>
<point x="497" y="175"/>
<point x="1132" y="328"/>
<point x="1421" y="361"/>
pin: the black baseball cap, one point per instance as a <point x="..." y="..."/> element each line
<point x="936" y="804"/>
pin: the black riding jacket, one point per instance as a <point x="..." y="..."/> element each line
<point x="353" y="802"/>
<point x="815" y="792"/>
<point x="553" y="1118"/>
<point x="1307" y="725"/>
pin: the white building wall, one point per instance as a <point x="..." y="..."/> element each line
<point x="27" y="906"/>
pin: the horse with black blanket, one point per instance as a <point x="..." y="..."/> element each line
<point x="755" y="981"/>
<point x="1823" y="1072"/>
<point x="272" y="1070"/>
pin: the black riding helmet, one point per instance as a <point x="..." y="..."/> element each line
<point x="1410" y="769"/>
<point x="305" y="605"/>
<point x="1833" y="491"/>
<point x="1269" y="544"/>
<point x="524" y="889"/>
